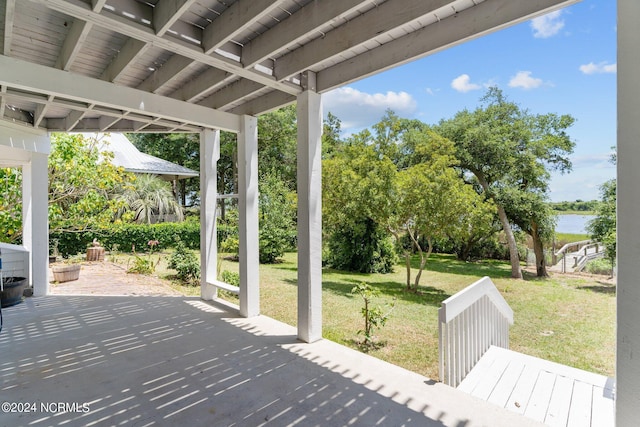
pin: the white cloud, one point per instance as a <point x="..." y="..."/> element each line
<point x="463" y="84"/>
<point x="548" y="25"/>
<point x="599" y="68"/>
<point x="358" y="110"/>
<point x="524" y="80"/>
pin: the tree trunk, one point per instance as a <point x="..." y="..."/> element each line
<point x="516" y="272"/>
<point x="538" y="249"/>
<point x="423" y="261"/>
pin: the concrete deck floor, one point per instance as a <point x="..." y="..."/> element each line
<point x="175" y="361"/>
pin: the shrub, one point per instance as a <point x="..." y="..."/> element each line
<point x="231" y="278"/>
<point x="129" y="236"/>
<point x="599" y="266"/>
<point x="142" y="266"/>
<point x="185" y="263"/>
<point x="364" y="249"/>
<point x="277" y="218"/>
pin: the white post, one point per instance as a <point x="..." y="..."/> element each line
<point x="309" y="212"/>
<point x="628" y="209"/>
<point x="248" y="222"/>
<point x="209" y="156"/>
<point x="35" y="211"/>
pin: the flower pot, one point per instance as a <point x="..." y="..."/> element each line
<point x="13" y="287"/>
<point x="66" y="273"/>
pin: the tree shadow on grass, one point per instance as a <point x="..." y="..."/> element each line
<point x="603" y="288"/>
<point x="449" y="264"/>
<point x="427" y="295"/>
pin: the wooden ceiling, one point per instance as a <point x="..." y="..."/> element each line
<point x="184" y="65"/>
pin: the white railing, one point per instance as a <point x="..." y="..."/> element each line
<point x="469" y="323"/>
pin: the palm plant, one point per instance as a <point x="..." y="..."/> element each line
<point x="149" y="196"/>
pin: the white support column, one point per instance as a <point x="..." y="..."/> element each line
<point x="628" y="209"/>
<point x="248" y="209"/>
<point x="35" y="220"/>
<point x="309" y="214"/>
<point x="209" y="156"/>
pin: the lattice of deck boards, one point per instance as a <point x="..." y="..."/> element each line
<point x="554" y="394"/>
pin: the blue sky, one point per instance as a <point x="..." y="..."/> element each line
<point x="564" y="63"/>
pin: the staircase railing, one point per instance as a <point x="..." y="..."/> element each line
<point x="469" y="323"/>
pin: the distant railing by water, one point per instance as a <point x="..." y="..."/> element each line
<point x="469" y="323"/>
<point x="574" y="256"/>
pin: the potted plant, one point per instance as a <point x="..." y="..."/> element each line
<point x="67" y="271"/>
<point x="12" y="290"/>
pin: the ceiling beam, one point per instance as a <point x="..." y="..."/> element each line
<point x="76" y="38"/>
<point x="73" y="43"/>
<point x="41" y="110"/>
<point x="167" y="12"/>
<point x="202" y="84"/>
<point x="28" y="76"/>
<point x="265" y="103"/>
<point x="72" y="120"/>
<point x="239" y="16"/>
<point x="123" y="25"/>
<point x="168" y="72"/>
<point x="484" y="18"/>
<point x="128" y="54"/>
<point x="230" y="93"/>
<point x="377" y="22"/>
<point x="311" y="18"/>
<point x="9" y="16"/>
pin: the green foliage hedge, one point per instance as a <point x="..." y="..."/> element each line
<point x="128" y="236"/>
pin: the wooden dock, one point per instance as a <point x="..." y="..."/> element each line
<point x="548" y="392"/>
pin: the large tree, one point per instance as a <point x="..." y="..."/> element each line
<point x="356" y="185"/>
<point x="508" y="148"/>
<point x="603" y="227"/>
<point x="82" y="184"/>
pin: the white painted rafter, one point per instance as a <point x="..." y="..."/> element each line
<point x="235" y="19"/>
<point x="486" y="17"/>
<point x="73" y="43"/>
<point x="308" y="20"/>
<point x="27" y="76"/>
<point x="9" y="16"/>
<point x="230" y="93"/>
<point x="129" y="53"/>
<point x="205" y="82"/>
<point x="375" y="23"/>
<point x="167" y="12"/>
<point x="123" y="25"/>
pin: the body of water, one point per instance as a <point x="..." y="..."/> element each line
<point x="574" y="224"/>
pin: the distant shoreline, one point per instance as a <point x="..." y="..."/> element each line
<point x="574" y="212"/>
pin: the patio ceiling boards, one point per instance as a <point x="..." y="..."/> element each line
<point x="185" y="65"/>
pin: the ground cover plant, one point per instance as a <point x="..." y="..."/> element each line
<point x="569" y="320"/>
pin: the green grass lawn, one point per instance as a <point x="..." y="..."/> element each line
<point x="566" y="320"/>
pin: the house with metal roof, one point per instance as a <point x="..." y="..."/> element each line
<point x="127" y="156"/>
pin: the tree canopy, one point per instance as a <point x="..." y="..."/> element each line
<point x="510" y="153"/>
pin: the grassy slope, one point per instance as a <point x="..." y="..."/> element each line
<point x="580" y="313"/>
<point x="567" y="320"/>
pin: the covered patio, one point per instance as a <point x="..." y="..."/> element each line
<point x="181" y="361"/>
<point x="205" y="66"/>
